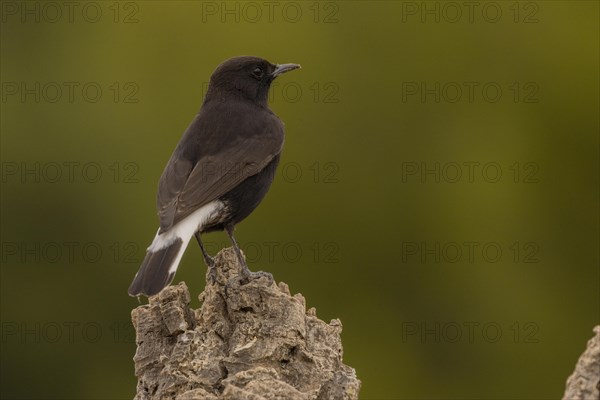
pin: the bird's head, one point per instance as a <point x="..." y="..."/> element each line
<point x="245" y="77"/>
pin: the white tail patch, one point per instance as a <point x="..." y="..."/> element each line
<point x="184" y="230"/>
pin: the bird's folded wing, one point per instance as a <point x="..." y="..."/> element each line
<point x="185" y="186"/>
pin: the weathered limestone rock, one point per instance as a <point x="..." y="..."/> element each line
<point x="248" y="340"/>
<point x="584" y="382"/>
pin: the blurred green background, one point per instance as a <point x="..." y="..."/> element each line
<point x="438" y="190"/>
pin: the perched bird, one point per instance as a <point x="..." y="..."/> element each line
<point x="219" y="172"/>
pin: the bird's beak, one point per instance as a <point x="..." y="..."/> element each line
<point x="281" y="68"/>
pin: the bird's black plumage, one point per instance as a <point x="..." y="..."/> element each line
<point x="221" y="169"/>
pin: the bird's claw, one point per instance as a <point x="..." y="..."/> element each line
<point x="247" y="275"/>
<point x="212" y="270"/>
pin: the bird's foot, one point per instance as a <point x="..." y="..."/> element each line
<point x="212" y="269"/>
<point x="247" y="275"/>
<point x="263" y="274"/>
<point x="212" y="275"/>
<point x="208" y="260"/>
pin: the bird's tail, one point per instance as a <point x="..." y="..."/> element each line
<point x="160" y="264"/>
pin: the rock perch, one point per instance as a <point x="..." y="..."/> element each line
<point x="248" y="340"/>
<point x="584" y="382"/>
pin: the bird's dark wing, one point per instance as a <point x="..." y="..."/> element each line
<point x="218" y="151"/>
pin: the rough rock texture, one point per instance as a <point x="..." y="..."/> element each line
<point x="584" y="382"/>
<point x="248" y="340"/>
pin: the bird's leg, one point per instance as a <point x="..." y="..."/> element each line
<point x="210" y="262"/>
<point x="245" y="271"/>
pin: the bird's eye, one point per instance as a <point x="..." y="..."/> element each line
<point x="258" y="72"/>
